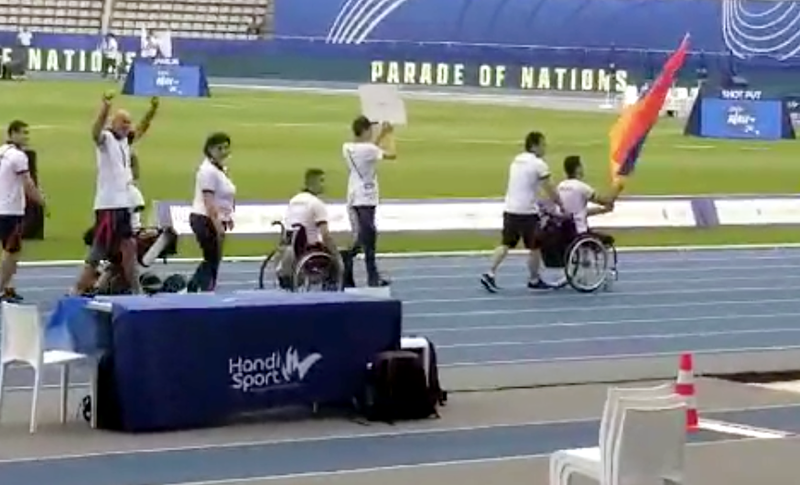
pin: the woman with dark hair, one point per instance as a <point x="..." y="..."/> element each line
<point x="212" y="210"/>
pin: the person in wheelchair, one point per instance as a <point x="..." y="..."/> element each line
<point x="588" y="257"/>
<point x="576" y="195"/>
<point x="307" y="232"/>
<point x="151" y="244"/>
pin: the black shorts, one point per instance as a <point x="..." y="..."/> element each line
<point x="520" y="226"/>
<point x="11" y="233"/>
<point x="111" y="227"/>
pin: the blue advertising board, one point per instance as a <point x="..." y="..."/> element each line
<point x="562" y="45"/>
<point x="739" y="114"/>
<point x="744" y="27"/>
<point x="166" y="79"/>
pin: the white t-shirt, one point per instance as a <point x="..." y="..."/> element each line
<point x="211" y="179"/>
<point x="149" y="47"/>
<point x="111" y="48"/>
<point x="307" y="210"/>
<point x="575" y="196"/>
<point x="362" y="163"/>
<point x="524" y="178"/>
<point x="24" y="38"/>
<point x="13" y="165"/>
<point x="114" y="176"/>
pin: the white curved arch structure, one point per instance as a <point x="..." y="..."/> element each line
<point x="358" y="18"/>
<point x="761" y="29"/>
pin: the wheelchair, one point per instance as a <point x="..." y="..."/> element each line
<point x="294" y="265"/>
<point x="586" y="262"/>
<point x="152" y="244"/>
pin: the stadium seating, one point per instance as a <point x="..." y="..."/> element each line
<point x="67" y="16"/>
<point x="210" y="19"/>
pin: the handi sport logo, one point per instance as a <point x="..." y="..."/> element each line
<point x="280" y="369"/>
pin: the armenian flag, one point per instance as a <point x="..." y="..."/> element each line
<point x="629" y="133"/>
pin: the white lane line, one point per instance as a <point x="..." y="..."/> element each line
<point x="311" y="439"/>
<point x="354" y="436"/>
<point x="478" y="295"/>
<point x="391" y="468"/>
<point x="594" y="308"/>
<point x="780" y="386"/>
<point x="741" y="430"/>
<point x="617" y="338"/>
<point x="617" y="357"/>
<point x="636" y="321"/>
<point x="622" y="284"/>
<point x="661" y="253"/>
<point x="608" y="295"/>
<point x="474" y="271"/>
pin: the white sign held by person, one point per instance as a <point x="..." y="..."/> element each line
<point x="382" y="102"/>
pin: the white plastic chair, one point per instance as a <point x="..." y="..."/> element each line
<point x="651" y="443"/>
<point x="594" y="462"/>
<point x="22" y="341"/>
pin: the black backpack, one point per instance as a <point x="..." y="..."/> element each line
<point x="398" y="389"/>
<point x="434" y="387"/>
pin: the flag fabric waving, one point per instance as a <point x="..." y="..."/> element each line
<point x="628" y="134"/>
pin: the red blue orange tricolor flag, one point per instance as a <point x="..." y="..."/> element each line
<point x="629" y="133"/>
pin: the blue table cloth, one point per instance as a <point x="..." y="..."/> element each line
<point x="72" y="327"/>
<point x="183" y="361"/>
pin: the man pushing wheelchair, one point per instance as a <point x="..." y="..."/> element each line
<point x="151" y="244"/>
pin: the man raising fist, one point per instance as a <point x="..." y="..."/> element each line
<point x="113" y="232"/>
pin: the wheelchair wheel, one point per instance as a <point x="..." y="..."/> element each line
<point x="267" y="273"/>
<point x="612" y="270"/>
<point x="587" y="264"/>
<point x="316" y="271"/>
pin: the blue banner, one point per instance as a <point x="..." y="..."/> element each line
<point x="741" y="26"/>
<point x="727" y="118"/>
<point x="166" y="79"/>
<point x="594" y="68"/>
<point x="739" y="114"/>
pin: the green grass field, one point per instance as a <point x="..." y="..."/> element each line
<point x="449" y="150"/>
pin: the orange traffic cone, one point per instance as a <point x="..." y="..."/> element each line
<point x="685" y="387"/>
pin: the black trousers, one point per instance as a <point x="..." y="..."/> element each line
<point x="362" y="219"/>
<point x="210" y="242"/>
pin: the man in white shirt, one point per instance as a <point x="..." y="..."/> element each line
<point x="15" y="185"/>
<point x="308" y="211"/>
<point x="111" y="56"/>
<point x="113" y="231"/>
<point x="527" y="175"/>
<point x="576" y="195"/>
<point x="24" y="37"/>
<point x="18" y="64"/>
<point x="148" y="45"/>
<point x="361" y="157"/>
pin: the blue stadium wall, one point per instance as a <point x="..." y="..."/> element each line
<point x="565" y="45"/>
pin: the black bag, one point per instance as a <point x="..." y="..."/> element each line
<point x="397" y="388"/>
<point x="438" y="395"/>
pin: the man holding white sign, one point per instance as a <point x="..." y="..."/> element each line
<point x="362" y="156"/>
<point x="382" y="102"/>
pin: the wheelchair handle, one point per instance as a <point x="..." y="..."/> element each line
<point x="281" y="225"/>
